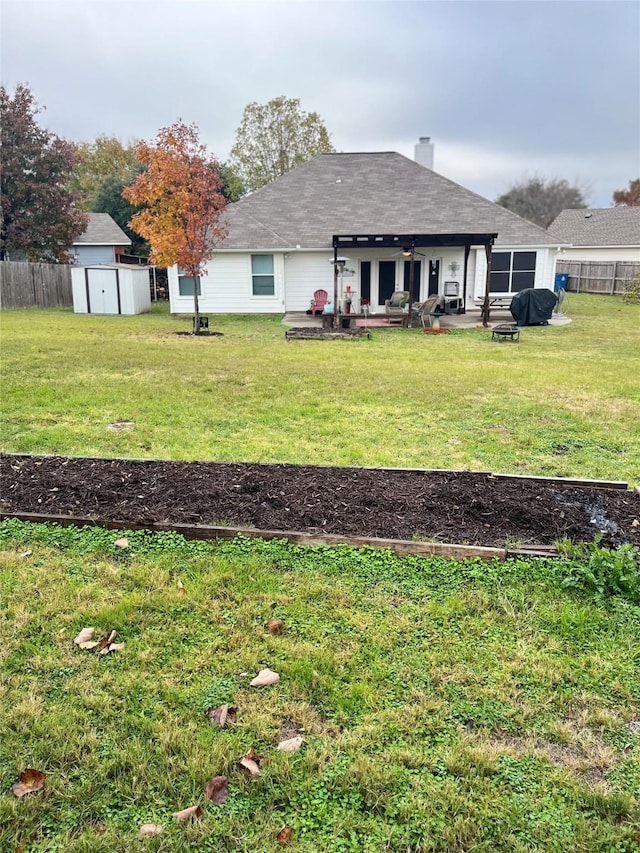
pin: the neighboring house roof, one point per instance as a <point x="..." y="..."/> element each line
<point x="604" y="226"/>
<point x="379" y="193"/>
<point x="102" y="231"/>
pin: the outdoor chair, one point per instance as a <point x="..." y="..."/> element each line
<point x="320" y="298"/>
<point x="430" y="308"/>
<point x="394" y="307"/>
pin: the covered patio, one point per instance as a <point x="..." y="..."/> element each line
<point x="469" y="320"/>
<point x="408" y="246"/>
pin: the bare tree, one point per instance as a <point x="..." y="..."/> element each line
<point x="540" y="200"/>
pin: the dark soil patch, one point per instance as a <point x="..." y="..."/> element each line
<point x="446" y="507"/>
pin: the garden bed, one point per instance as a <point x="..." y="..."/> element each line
<point x="440" y="506"/>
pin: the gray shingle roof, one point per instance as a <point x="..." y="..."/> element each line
<point x="603" y="226"/>
<point x="102" y="231"/>
<point x="379" y="193"/>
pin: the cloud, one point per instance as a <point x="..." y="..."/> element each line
<point x="504" y="88"/>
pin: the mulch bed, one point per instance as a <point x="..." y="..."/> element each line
<point x="447" y="507"/>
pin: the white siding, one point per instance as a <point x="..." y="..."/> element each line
<point x="228" y="287"/>
<point x="89" y="255"/>
<point x="611" y="253"/>
<point x="306" y="272"/>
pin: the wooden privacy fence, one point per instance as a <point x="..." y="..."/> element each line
<point x="24" y="285"/>
<point x="599" y="276"/>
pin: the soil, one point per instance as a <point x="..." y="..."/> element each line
<point x="469" y="508"/>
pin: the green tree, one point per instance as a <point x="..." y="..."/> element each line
<point x="274" y="138"/>
<point x="40" y="218"/>
<point x="232" y="186"/>
<point x="540" y="200"/>
<point x="106" y="157"/>
<point x="630" y="197"/>
<point x="108" y="198"/>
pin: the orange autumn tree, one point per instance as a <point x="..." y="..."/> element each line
<point x="182" y="203"/>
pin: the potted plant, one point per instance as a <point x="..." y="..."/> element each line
<point x="347" y="304"/>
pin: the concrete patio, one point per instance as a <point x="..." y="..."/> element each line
<point x="473" y="318"/>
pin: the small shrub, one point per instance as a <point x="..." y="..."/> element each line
<point x="632" y="291"/>
<point x="603" y="571"/>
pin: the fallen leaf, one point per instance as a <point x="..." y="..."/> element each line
<point x="265" y="677"/>
<point x="30" y="781"/>
<point x="293" y="744"/>
<point x="634" y="523"/>
<point x="275" y="625"/>
<point x="105" y="642"/>
<point x="26" y="554"/>
<point x="284" y="836"/>
<point x="148" y="830"/>
<point x="123" y="542"/>
<point x="84" y="636"/>
<point x="217" y="790"/>
<point x="179" y="588"/>
<point x="112" y="647"/>
<point x="99" y="829"/>
<point x="219" y="716"/>
<point x="250" y="766"/>
<point x="191" y="813"/>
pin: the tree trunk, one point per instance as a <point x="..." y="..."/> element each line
<point x="196" y="306"/>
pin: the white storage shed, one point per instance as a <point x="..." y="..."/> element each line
<point x="111" y="289"/>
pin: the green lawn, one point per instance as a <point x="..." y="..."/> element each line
<point x="565" y="401"/>
<point x="443" y="706"/>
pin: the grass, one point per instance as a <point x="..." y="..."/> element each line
<point x="444" y="706"/>
<point x="563" y="402"/>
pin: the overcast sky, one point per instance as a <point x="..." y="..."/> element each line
<point x="506" y="90"/>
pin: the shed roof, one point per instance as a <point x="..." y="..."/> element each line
<point x="600" y="226"/>
<point x="368" y="193"/>
<point x="102" y="231"/>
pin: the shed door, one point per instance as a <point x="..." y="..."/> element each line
<point x="103" y="292"/>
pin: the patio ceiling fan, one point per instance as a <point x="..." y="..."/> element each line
<point x="406" y="253"/>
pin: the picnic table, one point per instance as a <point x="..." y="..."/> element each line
<point x="500" y="300"/>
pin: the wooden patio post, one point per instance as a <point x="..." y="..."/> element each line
<point x="335" y="287"/>
<point x="467" y="250"/>
<point x="412" y="266"/>
<point x="485" y="306"/>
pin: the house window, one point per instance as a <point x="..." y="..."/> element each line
<point x="512" y="272"/>
<point x="262" y="275"/>
<point x="185" y="285"/>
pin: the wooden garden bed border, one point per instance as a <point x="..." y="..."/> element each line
<point x="402" y="547"/>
